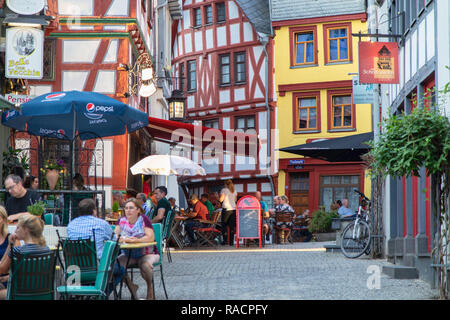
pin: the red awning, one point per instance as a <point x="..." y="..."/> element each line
<point x="201" y="138"/>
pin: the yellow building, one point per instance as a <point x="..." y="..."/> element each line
<point x="315" y="57"/>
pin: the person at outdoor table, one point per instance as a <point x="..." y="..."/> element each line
<point x="163" y="206"/>
<point x="29" y="230"/>
<point x="264" y="211"/>
<point x="228" y="198"/>
<point x="208" y="204"/>
<point x="199" y="211"/>
<point x="173" y="205"/>
<point x="21" y="198"/>
<point x="31" y="182"/>
<point x="135" y="227"/>
<point x="344" y="211"/>
<point x="143" y="202"/>
<point x="284" y="207"/>
<point x="4" y="242"/>
<point x="86" y="224"/>
<point x="118" y="197"/>
<point x="214" y="199"/>
<point x="78" y="182"/>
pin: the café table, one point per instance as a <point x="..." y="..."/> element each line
<point x="129" y="247"/>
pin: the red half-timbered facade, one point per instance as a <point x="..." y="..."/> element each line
<point x="220" y="65"/>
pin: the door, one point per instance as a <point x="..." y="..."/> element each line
<point x="299" y="186"/>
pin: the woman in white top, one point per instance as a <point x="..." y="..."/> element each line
<point x="228" y="198"/>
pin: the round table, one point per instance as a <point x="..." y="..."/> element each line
<point x="129" y="247"/>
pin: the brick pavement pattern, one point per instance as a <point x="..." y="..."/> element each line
<point x="299" y="271"/>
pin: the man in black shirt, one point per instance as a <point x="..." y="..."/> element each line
<point x="21" y="198"/>
<point x="163" y="206"/>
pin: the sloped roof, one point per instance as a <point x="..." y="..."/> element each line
<point x="258" y="12"/>
<point x="302" y="9"/>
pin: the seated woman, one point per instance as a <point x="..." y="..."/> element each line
<point x="29" y="230"/>
<point x="135" y="227"/>
<point x="284" y="207"/>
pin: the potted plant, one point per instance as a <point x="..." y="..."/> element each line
<point x="115" y="210"/>
<point x="321" y="225"/>
<point x="14" y="161"/>
<point x="37" y="208"/>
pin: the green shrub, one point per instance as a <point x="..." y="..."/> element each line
<point x="321" y="221"/>
<point x="115" y="207"/>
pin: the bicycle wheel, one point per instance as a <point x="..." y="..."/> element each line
<point x="355" y="239"/>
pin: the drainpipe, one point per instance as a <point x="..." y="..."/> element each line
<point x="264" y="41"/>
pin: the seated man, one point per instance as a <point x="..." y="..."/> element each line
<point x="85" y="224"/>
<point x="344" y="211"/>
<point x="199" y="211"/>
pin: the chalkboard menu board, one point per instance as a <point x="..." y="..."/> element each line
<point x="248" y="219"/>
<point x="248" y="223"/>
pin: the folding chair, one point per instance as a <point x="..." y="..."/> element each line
<point x="103" y="275"/>
<point x="206" y="235"/>
<point x="32" y="276"/>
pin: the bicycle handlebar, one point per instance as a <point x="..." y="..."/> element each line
<point x="361" y="194"/>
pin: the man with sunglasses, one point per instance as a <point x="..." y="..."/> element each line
<point x="20" y="198"/>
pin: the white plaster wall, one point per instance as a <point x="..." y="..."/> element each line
<point x="234" y="33"/>
<point x="79" y="51"/>
<point x="118" y="8"/>
<point x="221" y="36"/>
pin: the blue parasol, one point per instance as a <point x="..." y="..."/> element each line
<point x="64" y="114"/>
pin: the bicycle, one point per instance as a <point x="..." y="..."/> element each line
<point x="356" y="237"/>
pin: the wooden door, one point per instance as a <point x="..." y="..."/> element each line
<point x="299" y="186"/>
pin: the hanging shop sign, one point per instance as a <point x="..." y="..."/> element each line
<point x="26" y="7"/>
<point x="362" y="92"/>
<point x="378" y="62"/>
<point x="24" y="53"/>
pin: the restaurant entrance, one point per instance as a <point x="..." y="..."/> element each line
<point x="299" y="186"/>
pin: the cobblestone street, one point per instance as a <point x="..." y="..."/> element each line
<point x="299" y="271"/>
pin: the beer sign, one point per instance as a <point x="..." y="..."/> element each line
<point x="378" y="62"/>
<point x="24" y="53"/>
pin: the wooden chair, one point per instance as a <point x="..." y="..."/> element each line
<point x="285" y="232"/>
<point x="206" y="235"/>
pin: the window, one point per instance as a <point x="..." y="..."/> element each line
<point x="192" y="75"/>
<point x="303" y="45"/>
<point x="208" y="15"/>
<point x="49" y="59"/>
<point x="306" y="111"/>
<point x="239" y="67"/>
<point x="341" y="110"/>
<point x="304" y="48"/>
<point x="197" y="17"/>
<point x="212" y="123"/>
<point x="224" y="67"/>
<point x="338" y="45"/>
<point x="220" y="10"/>
<point x="244" y="123"/>
<point x="334" y="188"/>
<point x="181" y="77"/>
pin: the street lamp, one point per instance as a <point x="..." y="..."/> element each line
<point x="176" y="105"/>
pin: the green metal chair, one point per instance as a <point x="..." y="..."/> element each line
<point x="32" y="277"/>
<point x="81" y="253"/>
<point x="48" y="219"/>
<point x="159" y="242"/>
<point x="167" y="232"/>
<point x="103" y="277"/>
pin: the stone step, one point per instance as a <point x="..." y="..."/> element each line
<point x="401" y="272"/>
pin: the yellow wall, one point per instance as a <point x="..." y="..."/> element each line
<point x="285" y="74"/>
